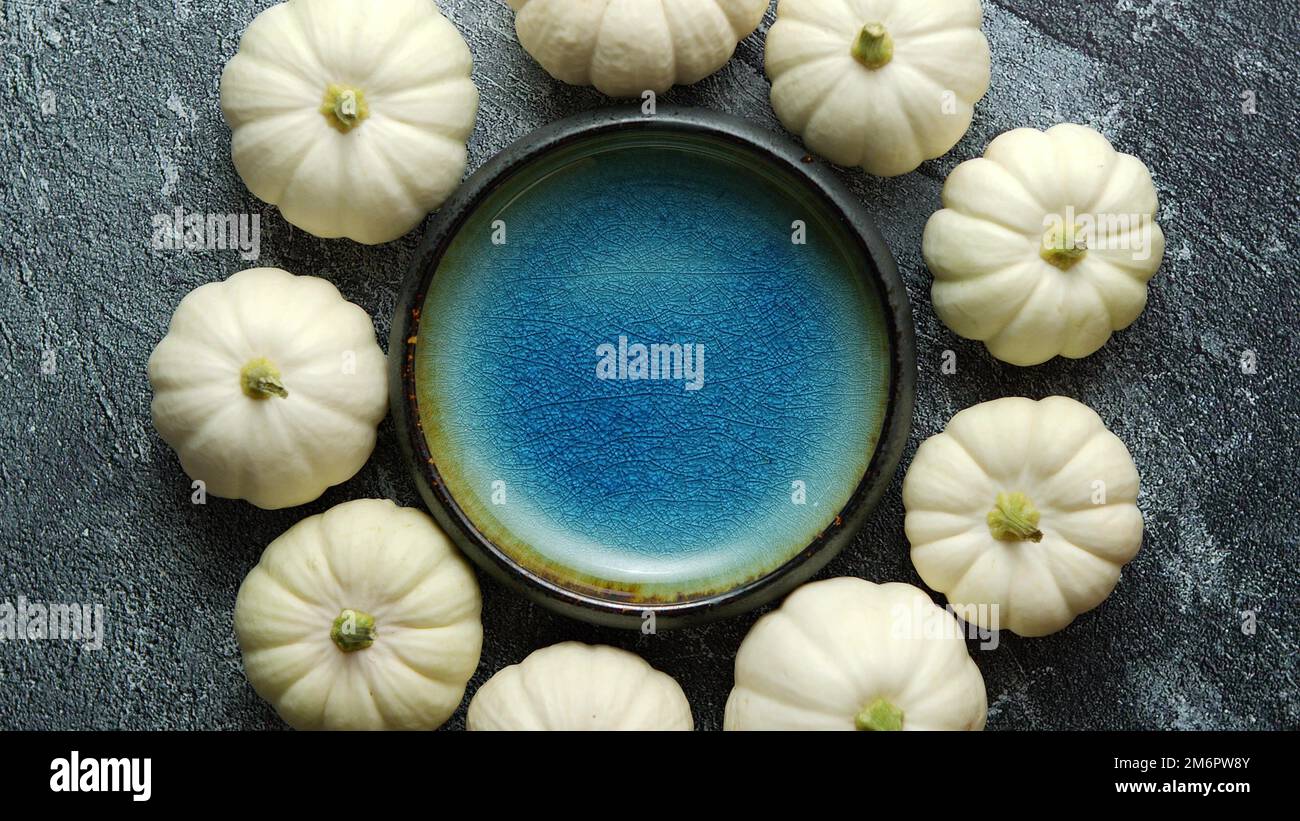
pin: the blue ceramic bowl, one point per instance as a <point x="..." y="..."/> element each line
<point x="652" y="365"/>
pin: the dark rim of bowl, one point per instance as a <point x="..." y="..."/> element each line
<point x="885" y="280"/>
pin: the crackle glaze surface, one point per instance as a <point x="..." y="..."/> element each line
<point x="669" y="487"/>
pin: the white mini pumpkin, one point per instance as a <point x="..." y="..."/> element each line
<point x="575" y="686"/>
<point x="1044" y="245"/>
<point x="844" y="654"/>
<point x="627" y="47"/>
<point x="881" y="84"/>
<point x="1023" y="512"/>
<point x="361" y="618"/>
<point x="351" y="115"/>
<point x="269" y="387"/>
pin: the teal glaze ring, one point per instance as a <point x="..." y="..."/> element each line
<point x="652" y="369"/>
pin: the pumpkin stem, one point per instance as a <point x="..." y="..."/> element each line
<point x="260" y="379"/>
<point x="344" y="107"/>
<point x="879" y="715"/>
<point x="1014" y="519"/>
<point x="874" y="47"/>
<point x="353" y="630"/>
<point x="1061" y="246"/>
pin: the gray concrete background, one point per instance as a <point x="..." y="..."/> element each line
<point x="110" y="116"/>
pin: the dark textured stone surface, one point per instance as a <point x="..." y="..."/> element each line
<point x="110" y="116"/>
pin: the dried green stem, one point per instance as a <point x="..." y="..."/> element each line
<point x="260" y="379"/>
<point x="344" y="107"/>
<point x="1062" y="248"/>
<point x="873" y="48"/>
<point x="353" y="630"/>
<point x="1014" y="519"/>
<point x="879" y="715"/>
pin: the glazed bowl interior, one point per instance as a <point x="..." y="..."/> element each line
<point x="652" y="366"/>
